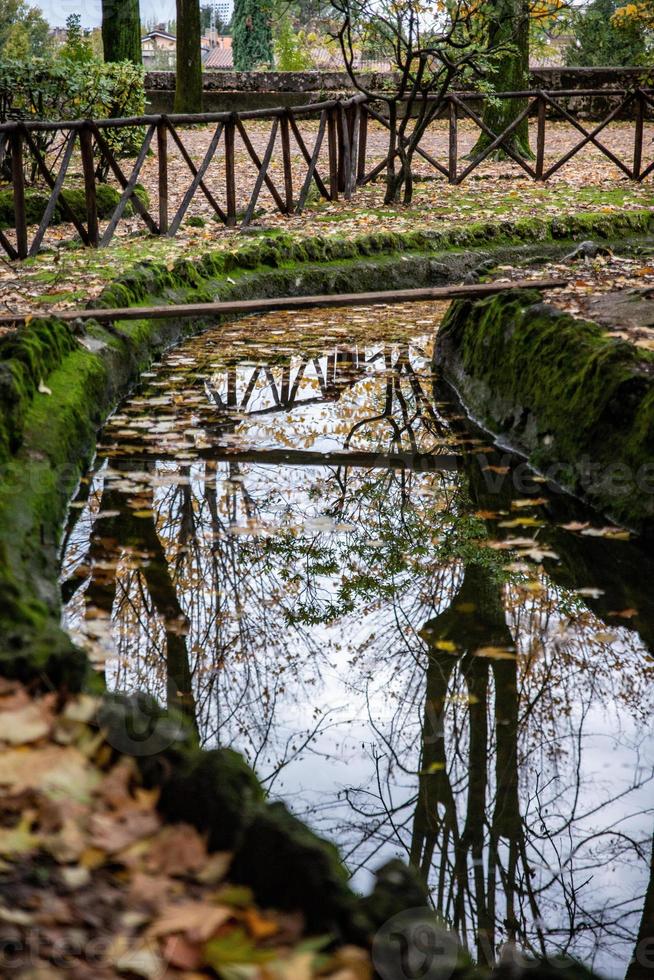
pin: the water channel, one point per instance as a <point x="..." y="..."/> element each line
<point x="294" y="535"/>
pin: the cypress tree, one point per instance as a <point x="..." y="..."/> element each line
<point x="188" y="77"/>
<point x="251" y="34"/>
<point x="121" y="30"/>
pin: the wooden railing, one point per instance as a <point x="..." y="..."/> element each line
<point x="342" y="124"/>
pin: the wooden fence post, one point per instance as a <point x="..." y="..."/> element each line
<point x="162" y="158"/>
<point x="18" y="181"/>
<point x="342" y="147"/>
<point x="540" y="136"/>
<point x="230" y="172"/>
<point x="345" y="152"/>
<point x="333" y="147"/>
<point x="286" y="161"/>
<point x="638" y="134"/>
<point x="354" y="126"/>
<point x="454" y="142"/>
<point x="363" y="144"/>
<point x="88" y="167"/>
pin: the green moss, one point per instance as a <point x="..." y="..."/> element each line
<point x="207" y="279"/>
<point x="26" y="358"/>
<point x="215" y="791"/>
<point x="578" y="402"/>
<point x="50" y="436"/>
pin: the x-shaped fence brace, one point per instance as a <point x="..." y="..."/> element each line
<point x="535" y="103"/>
<point x="342" y="370"/>
<point x="343" y="124"/>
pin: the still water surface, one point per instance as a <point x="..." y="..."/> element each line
<point x="422" y="649"/>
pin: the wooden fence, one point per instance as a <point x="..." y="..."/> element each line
<point x="342" y="124"/>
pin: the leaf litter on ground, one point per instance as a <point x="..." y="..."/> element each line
<point x="93" y="884"/>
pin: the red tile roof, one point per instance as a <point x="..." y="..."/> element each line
<point x="220" y="56"/>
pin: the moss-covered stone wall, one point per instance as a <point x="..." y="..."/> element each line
<point x="577" y="402"/>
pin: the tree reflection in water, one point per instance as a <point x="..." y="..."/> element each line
<point x="419" y="658"/>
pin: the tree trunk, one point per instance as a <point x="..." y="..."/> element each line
<point x="509" y="27"/>
<point x="641" y="966"/>
<point x="188" y="78"/>
<point x="400" y="178"/>
<point x="121" y="30"/>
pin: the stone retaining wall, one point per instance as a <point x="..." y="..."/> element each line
<point x="576" y="402"/>
<point x="240" y="91"/>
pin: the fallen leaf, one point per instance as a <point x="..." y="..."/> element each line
<point x="27" y="724"/>
<point x="141" y="960"/>
<point x="351" y="961"/>
<point x="258" y="925"/>
<point x="57" y="771"/>
<point x="297" y="966"/>
<point x="18" y="840"/>
<point x="528" y="502"/>
<point x="198" y="921"/>
<point x="113" y="832"/>
<point x="182" y="954"/>
<point x="181" y="850"/>
<point x="215" y="868"/>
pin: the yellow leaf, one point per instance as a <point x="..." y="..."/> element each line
<point x="18" y="840"/>
<point x="258" y="925"/>
<point x="495" y="653"/>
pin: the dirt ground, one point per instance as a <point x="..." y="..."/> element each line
<point x="66" y="275"/>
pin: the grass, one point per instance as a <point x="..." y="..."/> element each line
<point x="49" y="276"/>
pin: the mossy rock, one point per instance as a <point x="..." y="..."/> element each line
<point x="577" y="402"/>
<point x="26" y="358"/>
<point x="214" y="791"/>
<point x="290" y="867"/>
<point x="34" y="650"/>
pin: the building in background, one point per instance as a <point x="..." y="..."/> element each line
<point x="220" y="55"/>
<point x="159" y="50"/>
<point x="223" y="10"/>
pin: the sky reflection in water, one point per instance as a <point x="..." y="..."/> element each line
<point x="417" y="657"/>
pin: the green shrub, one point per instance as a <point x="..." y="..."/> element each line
<point x="291" y="46"/>
<point x="63" y="89"/>
<point x="37" y="201"/>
